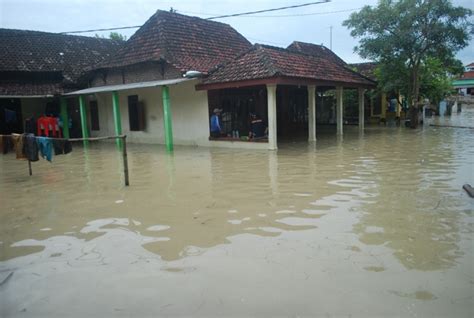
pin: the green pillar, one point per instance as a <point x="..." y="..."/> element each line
<point x="82" y="109"/>
<point x="117" y="117"/>
<point x="64" y="117"/>
<point x="167" y="118"/>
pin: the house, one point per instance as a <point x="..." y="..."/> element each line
<point x="280" y="85"/>
<point x="383" y="106"/>
<point x="162" y="85"/>
<point x="465" y="84"/>
<point x="134" y="86"/>
<point x="36" y="68"/>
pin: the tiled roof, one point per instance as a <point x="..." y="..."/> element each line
<point x="30" y="89"/>
<point x="34" y="51"/>
<point x="367" y="69"/>
<point x="316" y="50"/>
<point x="263" y="61"/>
<point x="188" y="43"/>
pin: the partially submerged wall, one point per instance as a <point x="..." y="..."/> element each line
<point x="188" y="107"/>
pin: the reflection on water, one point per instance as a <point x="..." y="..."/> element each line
<point x="396" y="188"/>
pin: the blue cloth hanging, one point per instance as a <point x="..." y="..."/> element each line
<point x="45" y="146"/>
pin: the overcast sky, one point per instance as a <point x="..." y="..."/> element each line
<point x="269" y="28"/>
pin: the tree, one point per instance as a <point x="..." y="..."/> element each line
<point x="407" y="38"/>
<point x="113" y="36"/>
<point x="117" y="37"/>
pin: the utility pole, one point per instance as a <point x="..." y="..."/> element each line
<point x="330" y="37"/>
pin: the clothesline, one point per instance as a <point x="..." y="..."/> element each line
<point x="123" y="147"/>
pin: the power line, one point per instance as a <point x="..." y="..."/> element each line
<point x="243" y="14"/>
<point x="268" y="10"/>
<point x="279" y="15"/>
<point x="107" y="29"/>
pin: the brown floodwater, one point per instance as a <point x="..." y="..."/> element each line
<point x="372" y="224"/>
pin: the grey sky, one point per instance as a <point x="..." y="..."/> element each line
<point x="68" y="15"/>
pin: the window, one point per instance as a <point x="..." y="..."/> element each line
<point x="94" y="111"/>
<point x="136" y="114"/>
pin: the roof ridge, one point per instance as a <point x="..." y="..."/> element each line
<point x="267" y="60"/>
<point x="164" y="55"/>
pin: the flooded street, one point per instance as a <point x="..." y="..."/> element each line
<point x="368" y="225"/>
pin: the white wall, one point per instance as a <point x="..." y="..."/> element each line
<point x="188" y="108"/>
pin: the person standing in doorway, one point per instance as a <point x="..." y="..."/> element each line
<point x="216" y="129"/>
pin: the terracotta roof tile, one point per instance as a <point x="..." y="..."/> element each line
<point x="42" y="63"/>
<point x="31" y="89"/>
<point x="34" y="51"/>
<point x="316" y="50"/>
<point x="188" y="43"/>
<point x="263" y="61"/>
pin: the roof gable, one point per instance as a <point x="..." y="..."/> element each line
<point x="188" y="43"/>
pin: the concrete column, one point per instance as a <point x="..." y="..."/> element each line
<point x="361" y="108"/>
<point x="167" y="118"/>
<point x="82" y="110"/>
<point x="272" y="119"/>
<point x="311" y="113"/>
<point x="117" y="117"/>
<point x="64" y="117"/>
<point x="339" y="109"/>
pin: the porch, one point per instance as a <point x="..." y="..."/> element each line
<point x="290" y="111"/>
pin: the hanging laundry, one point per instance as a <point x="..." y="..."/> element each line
<point x="5" y="144"/>
<point x="61" y="146"/>
<point x="18" y="145"/>
<point x="43" y="126"/>
<point x="47" y="126"/>
<point x="53" y="126"/>
<point x="45" y="146"/>
<point x="30" y="147"/>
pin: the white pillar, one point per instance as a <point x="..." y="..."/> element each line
<point x="311" y="113"/>
<point x="361" y="108"/>
<point x="272" y="120"/>
<point x="339" y="109"/>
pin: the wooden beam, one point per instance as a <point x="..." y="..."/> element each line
<point x="280" y="80"/>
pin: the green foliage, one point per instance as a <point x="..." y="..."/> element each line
<point x="414" y="42"/>
<point x="117" y="36"/>
<point x="113" y="36"/>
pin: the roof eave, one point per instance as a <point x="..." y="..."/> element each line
<point x="282" y="80"/>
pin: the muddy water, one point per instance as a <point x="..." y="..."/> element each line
<point x="368" y="225"/>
